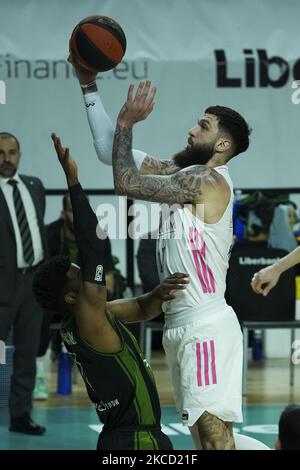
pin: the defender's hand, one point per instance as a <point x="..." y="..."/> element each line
<point x="138" y="107"/>
<point x="168" y="288"/>
<point x="264" y="280"/>
<point x="67" y="162"/>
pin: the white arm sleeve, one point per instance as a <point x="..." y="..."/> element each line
<point x="103" y="131"/>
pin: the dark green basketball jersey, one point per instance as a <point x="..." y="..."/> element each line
<point x="121" y="385"/>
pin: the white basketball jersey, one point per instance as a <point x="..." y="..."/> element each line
<point x="186" y="244"/>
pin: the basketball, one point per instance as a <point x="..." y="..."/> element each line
<point x="98" y="43"/>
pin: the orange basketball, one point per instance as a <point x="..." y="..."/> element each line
<point x="98" y="42"/>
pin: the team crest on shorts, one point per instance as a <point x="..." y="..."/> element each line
<point x="184" y="415"/>
<point x="99" y="273"/>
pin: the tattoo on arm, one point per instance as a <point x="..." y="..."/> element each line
<point x="184" y="186"/>
<point x="214" y="433"/>
<point x="153" y="166"/>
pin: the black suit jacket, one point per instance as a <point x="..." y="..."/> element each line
<point x="8" y="249"/>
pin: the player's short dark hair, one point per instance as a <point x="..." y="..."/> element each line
<point x="8" y="135"/>
<point x="289" y="428"/>
<point x="233" y="123"/>
<point x="49" y="282"/>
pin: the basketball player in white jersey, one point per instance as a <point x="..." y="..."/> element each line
<point x="202" y="337"/>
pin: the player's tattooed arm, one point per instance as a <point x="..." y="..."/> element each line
<point x="184" y="186"/>
<point x="153" y="166"/>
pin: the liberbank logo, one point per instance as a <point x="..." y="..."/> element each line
<point x="262" y="261"/>
<point x="258" y="70"/>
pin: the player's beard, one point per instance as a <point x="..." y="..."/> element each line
<point x="197" y="155"/>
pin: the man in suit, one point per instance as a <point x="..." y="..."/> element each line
<point x="22" y="248"/>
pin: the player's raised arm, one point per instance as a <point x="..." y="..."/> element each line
<point x="102" y="128"/>
<point x="89" y="309"/>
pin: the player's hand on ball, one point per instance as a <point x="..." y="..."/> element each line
<point x="83" y="74"/>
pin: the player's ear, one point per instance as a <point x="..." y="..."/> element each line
<point x="223" y="145"/>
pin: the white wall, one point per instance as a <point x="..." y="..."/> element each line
<point x="278" y="343"/>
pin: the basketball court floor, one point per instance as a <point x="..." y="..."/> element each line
<point x="78" y="428"/>
<point x="72" y="422"/>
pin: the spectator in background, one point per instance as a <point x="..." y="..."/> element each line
<point x="289" y="429"/>
<point x="23" y="247"/>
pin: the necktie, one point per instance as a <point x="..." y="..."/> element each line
<point x="22" y="223"/>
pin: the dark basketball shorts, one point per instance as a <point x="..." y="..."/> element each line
<point x="133" y="438"/>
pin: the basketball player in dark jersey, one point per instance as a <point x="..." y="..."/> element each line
<point x="118" y="379"/>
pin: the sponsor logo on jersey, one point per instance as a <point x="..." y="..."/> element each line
<point x="101" y="406"/>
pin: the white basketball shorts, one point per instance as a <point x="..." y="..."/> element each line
<point x="205" y="359"/>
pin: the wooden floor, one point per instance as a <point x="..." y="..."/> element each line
<point x="268" y="383"/>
